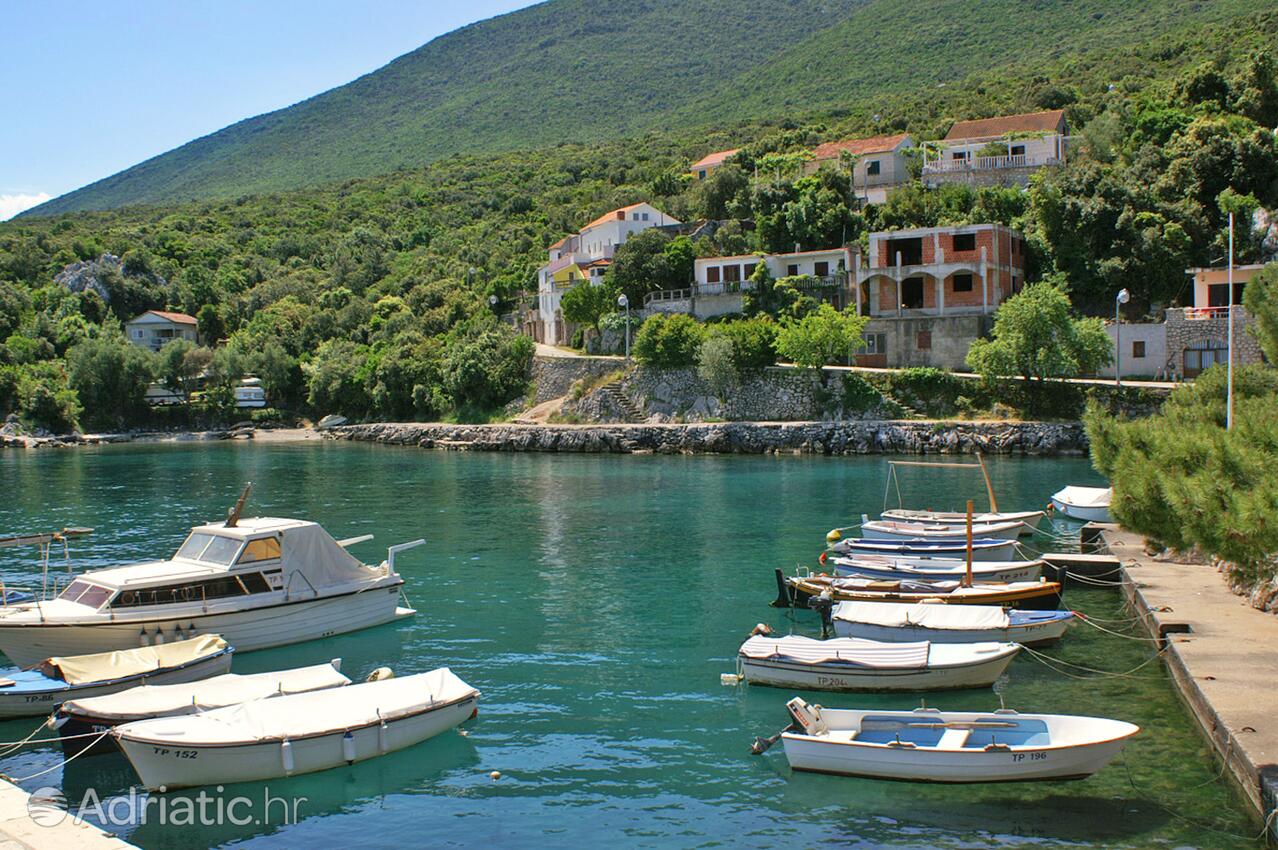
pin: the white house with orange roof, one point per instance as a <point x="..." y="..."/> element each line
<point x="156" y="328"/>
<point x="585" y="256"/>
<point x="708" y="164"/>
<point x="1002" y="150"/>
<point x="879" y="163"/>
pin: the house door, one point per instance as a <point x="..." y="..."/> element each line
<point x="1202" y="355"/>
<point x="912" y="293"/>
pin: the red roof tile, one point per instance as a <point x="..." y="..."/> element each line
<point x="178" y="318"/>
<point x="992" y="128"/>
<point x="712" y="159"/>
<point x="610" y="216"/>
<point x="857" y="147"/>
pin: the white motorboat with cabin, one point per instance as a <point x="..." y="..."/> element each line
<point x="927" y="745"/>
<point x="299" y="733"/>
<point x="852" y="664"/>
<point x="932" y="569"/>
<point x="55" y="680"/>
<point x="896" y="621"/>
<point x="877" y="529"/>
<point x="80" y="717"/>
<point x="1089" y="504"/>
<point x="257" y="582"/>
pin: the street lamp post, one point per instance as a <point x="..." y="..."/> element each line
<point x="1120" y="299"/>
<point x="624" y="303"/>
<point x="1229" y="345"/>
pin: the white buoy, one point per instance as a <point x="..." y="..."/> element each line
<point x="286" y="756"/>
<point x="380" y="674"/>
<point x="348" y="747"/>
<point x="495" y="775"/>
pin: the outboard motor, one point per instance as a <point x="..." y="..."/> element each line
<point x="823" y="605"/>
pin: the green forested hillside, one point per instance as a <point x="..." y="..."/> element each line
<point x="584" y="70"/>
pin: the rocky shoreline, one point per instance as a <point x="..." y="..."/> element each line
<point x="816" y="438"/>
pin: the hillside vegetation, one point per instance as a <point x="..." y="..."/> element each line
<point x="371" y="297"/>
<point x="586" y="71"/>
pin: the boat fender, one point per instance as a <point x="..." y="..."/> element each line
<point x="833" y="536"/>
<point x="348" y="747"/>
<point x="383" y="738"/>
<point x="286" y="756"/>
<point x="144" y="639"/>
<point x="381" y="674"/>
<point x="822" y="558"/>
<point x="337" y="664"/>
<point x="56" y="720"/>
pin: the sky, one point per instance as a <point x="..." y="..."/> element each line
<point x="91" y="87"/>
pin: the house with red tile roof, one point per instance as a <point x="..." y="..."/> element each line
<point x="1002" y="150"/>
<point x="878" y="163"/>
<point x="704" y="167"/>
<point x="585" y="257"/>
<point x="156" y="328"/>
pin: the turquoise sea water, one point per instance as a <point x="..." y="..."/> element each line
<point x="594" y="601"/>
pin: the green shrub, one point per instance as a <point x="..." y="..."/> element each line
<point x="264" y="415"/>
<point x="859" y="395"/>
<point x="754" y="341"/>
<point x="669" y="342"/>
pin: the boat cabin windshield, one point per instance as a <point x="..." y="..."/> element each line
<point x="209" y="548"/>
<point x="85" y="593"/>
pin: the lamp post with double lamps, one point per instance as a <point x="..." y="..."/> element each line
<point x="1120" y="299"/>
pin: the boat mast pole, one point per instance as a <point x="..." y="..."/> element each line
<point x="233" y="515"/>
<point x="967" y="577"/>
<point x="989" y="487"/>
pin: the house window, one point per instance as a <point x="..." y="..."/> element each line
<point x="1218" y="294"/>
<point x="912" y="293"/>
<point x="872" y="168"/>
<point x="875" y="343"/>
<point x="1138" y="348"/>
<point x="712" y="274"/>
<point x="634" y="216"/>
<point x="748" y="271"/>
<point x="645" y="216"/>
<point x="910" y="249"/>
<point x="821" y="269"/>
<point x="1018" y="150"/>
<point x="792" y="269"/>
<point x="925" y="341"/>
<point x="964" y="241"/>
<point x="1202" y="355"/>
<point x="732" y="274"/>
<point x="963" y="282"/>
<point x="958" y="156"/>
<point x="701" y="174"/>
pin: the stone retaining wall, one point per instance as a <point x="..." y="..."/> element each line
<point x="554" y="376"/>
<point x="823" y="438"/>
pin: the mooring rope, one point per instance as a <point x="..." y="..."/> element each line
<point x="14" y="745"/>
<point x="1269" y="819"/>
<point x="1089" y="622"/>
<point x="64" y="762"/>
<point x="1051" y="663"/>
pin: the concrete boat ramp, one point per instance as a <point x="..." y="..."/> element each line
<point x="28" y="826"/>
<point x="1223" y="656"/>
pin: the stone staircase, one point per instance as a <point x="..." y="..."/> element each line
<point x="629" y="410"/>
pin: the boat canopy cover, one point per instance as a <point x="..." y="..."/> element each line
<point x="310" y="550"/>
<point x="106" y="666"/>
<point x="904" y="615"/>
<point x="865" y="653"/>
<point x="308" y="714"/>
<point x="193" y="697"/>
<point x="1084" y="497"/>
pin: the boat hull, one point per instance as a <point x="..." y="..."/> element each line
<point x="1027" y="571"/>
<point x="1030" y="519"/>
<point x="948" y="534"/>
<point x="1003" y="550"/>
<point x="187" y="765"/>
<point x="247" y="630"/>
<point x="779" y="673"/>
<point x="1033" y="634"/>
<point x="925" y="765"/>
<point x="1046" y="596"/>
<point x="17" y="704"/>
<point x="1083" y="513"/>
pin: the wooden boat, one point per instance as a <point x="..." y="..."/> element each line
<point x="1028" y="519"/>
<point x="55" y="680"/>
<point x="933" y="569"/>
<point x="298" y="733"/>
<point x="77" y="718"/>
<point x="982" y="549"/>
<point x="1044" y="595"/>
<point x="939" y="532"/>
<point x="898" y="621"/>
<point x="850" y="664"/>
<point x="256" y="582"/>
<point x="1089" y="504"/>
<point x="927" y="745"/>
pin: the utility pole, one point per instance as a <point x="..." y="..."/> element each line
<point x="1229" y="394"/>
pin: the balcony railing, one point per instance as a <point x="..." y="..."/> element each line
<point x="988" y="163"/>
<point x="1202" y="314"/>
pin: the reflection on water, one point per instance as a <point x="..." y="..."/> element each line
<point x="595" y="600"/>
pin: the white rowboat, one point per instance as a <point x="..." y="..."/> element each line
<point x="941" y="532"/>
<point x="934" y="569"/>
<point x="982" y="549"/>
<point x="926" y="745"/>
<point x="1090" y="504"/>
<point x="300" y="733"/>
<point x="849" y="664"/>
<point x="1030" y="519"/>
<point x="896" y="621"/>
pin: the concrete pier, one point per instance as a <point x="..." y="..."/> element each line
<point x="20" y="831"/>
<point x="1223" y="655"/>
